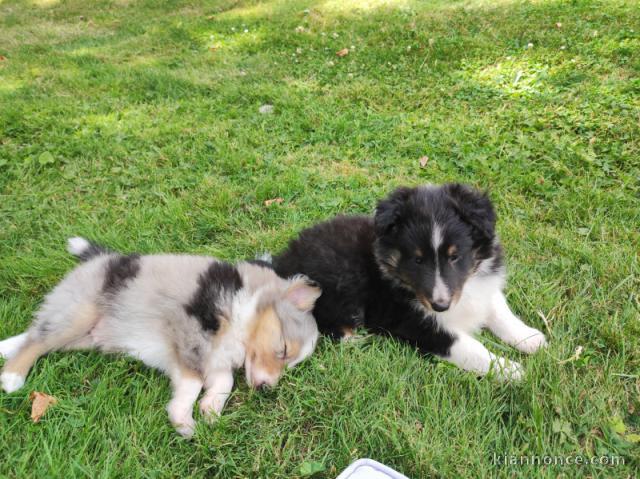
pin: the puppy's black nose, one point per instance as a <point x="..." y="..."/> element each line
<point x="440" y="307"/>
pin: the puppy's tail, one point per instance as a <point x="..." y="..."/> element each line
<point x="84" y="249"/>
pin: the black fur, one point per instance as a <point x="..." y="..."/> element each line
<point x="92" y="251"/>
<point x="120" y="270"/>
<point x="219" y="278"/>
<point x="260" y="262"/>
<point x="377" y="272"/>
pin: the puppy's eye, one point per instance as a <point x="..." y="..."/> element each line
<point x="453" y="258"/>
<point x="283" y="353"/>
<point x="418" y="259"/>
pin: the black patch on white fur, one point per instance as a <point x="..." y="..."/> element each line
<point x="120" y="270"/>
<point x="219" y="277"/>
<point x="261" y="262"/>
<point x="91" y="251"/>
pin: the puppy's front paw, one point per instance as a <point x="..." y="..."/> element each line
<point x="11" y="381"/>
<point x="506" y="370"/>
<point x="211" y="406"/>
<point x="531" y="341"/>
<point x="186" y="430"/>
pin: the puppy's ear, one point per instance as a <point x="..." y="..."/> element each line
<point x="389" y="211"/>
<point x="302" y="293"/>
<point x="475" y="208"/>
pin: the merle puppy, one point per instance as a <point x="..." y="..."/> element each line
<point x="196" y="318"/>
<point x="427" y="268"/>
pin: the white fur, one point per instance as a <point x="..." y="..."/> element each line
<point x="10" y="346"/>
<point x="219" y="385"/>
<point x="436" y="238"/>
<point x="469" y="354"/>
<point x="306" y="350"/>
<point x="77" y="245"/>
<point x="508" y="327"/>
<point x="11" y="381"/>
<point x="180" y="408"/>
<point x="441" y="293"/>
<point x="474" y="308"/>
<point x="482" y="304"/>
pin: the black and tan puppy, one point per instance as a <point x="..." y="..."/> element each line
<point x="427" y="268"/>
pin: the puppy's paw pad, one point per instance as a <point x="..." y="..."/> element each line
<point x="533" y="341"/>
<point x="11" y="382"/>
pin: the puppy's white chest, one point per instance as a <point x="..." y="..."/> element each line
<point x="474" y="308"/>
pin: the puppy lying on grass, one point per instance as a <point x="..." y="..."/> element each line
<point x="194" y="317"/>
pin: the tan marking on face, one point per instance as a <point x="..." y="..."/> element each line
<point x="418" y="253"/>
<point x="264" y="343"/>
<point x="452" y="250"/>
<point x="347" y="332"/>
<point x="455" y="296"/>
<point x="293" y="350"/>
<point x="424" y="302"/>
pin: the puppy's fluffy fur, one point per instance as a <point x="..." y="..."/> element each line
<point x="195" y="318"/>
<point x="428" y="268"/>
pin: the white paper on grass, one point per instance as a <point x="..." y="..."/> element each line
<point x="369" y="469"/>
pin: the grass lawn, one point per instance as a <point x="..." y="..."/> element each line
<point x="137" y="123"/>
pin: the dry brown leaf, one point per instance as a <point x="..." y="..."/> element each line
<point x="211" y="17"/>
<point x="41" y="403"/>
<point x="558" y="25"/>
<point x="273" y="200"/>
<point x="423" y="161"/>
<point x="2" y="58"/>
<point x="343" y="53"/>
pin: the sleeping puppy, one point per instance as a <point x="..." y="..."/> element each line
<point x="195" y="318"/>
<point x="428" y="268"/>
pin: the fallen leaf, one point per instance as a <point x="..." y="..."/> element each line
<point x="41" y="403"/>
<point x="617" y="424"/>
<point x="633" y="438"/>
<point x="2" y="58"/>
<point x="211" y="17"/>
<point x="423" y="161"/>
<point x="213" y="48"/>
<point x="343" y="53"/>
<point x="46" y="158"/>
<point x="273" y="200"/>
<point x="559" y="25"/>
<point x="310" y="468"/>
